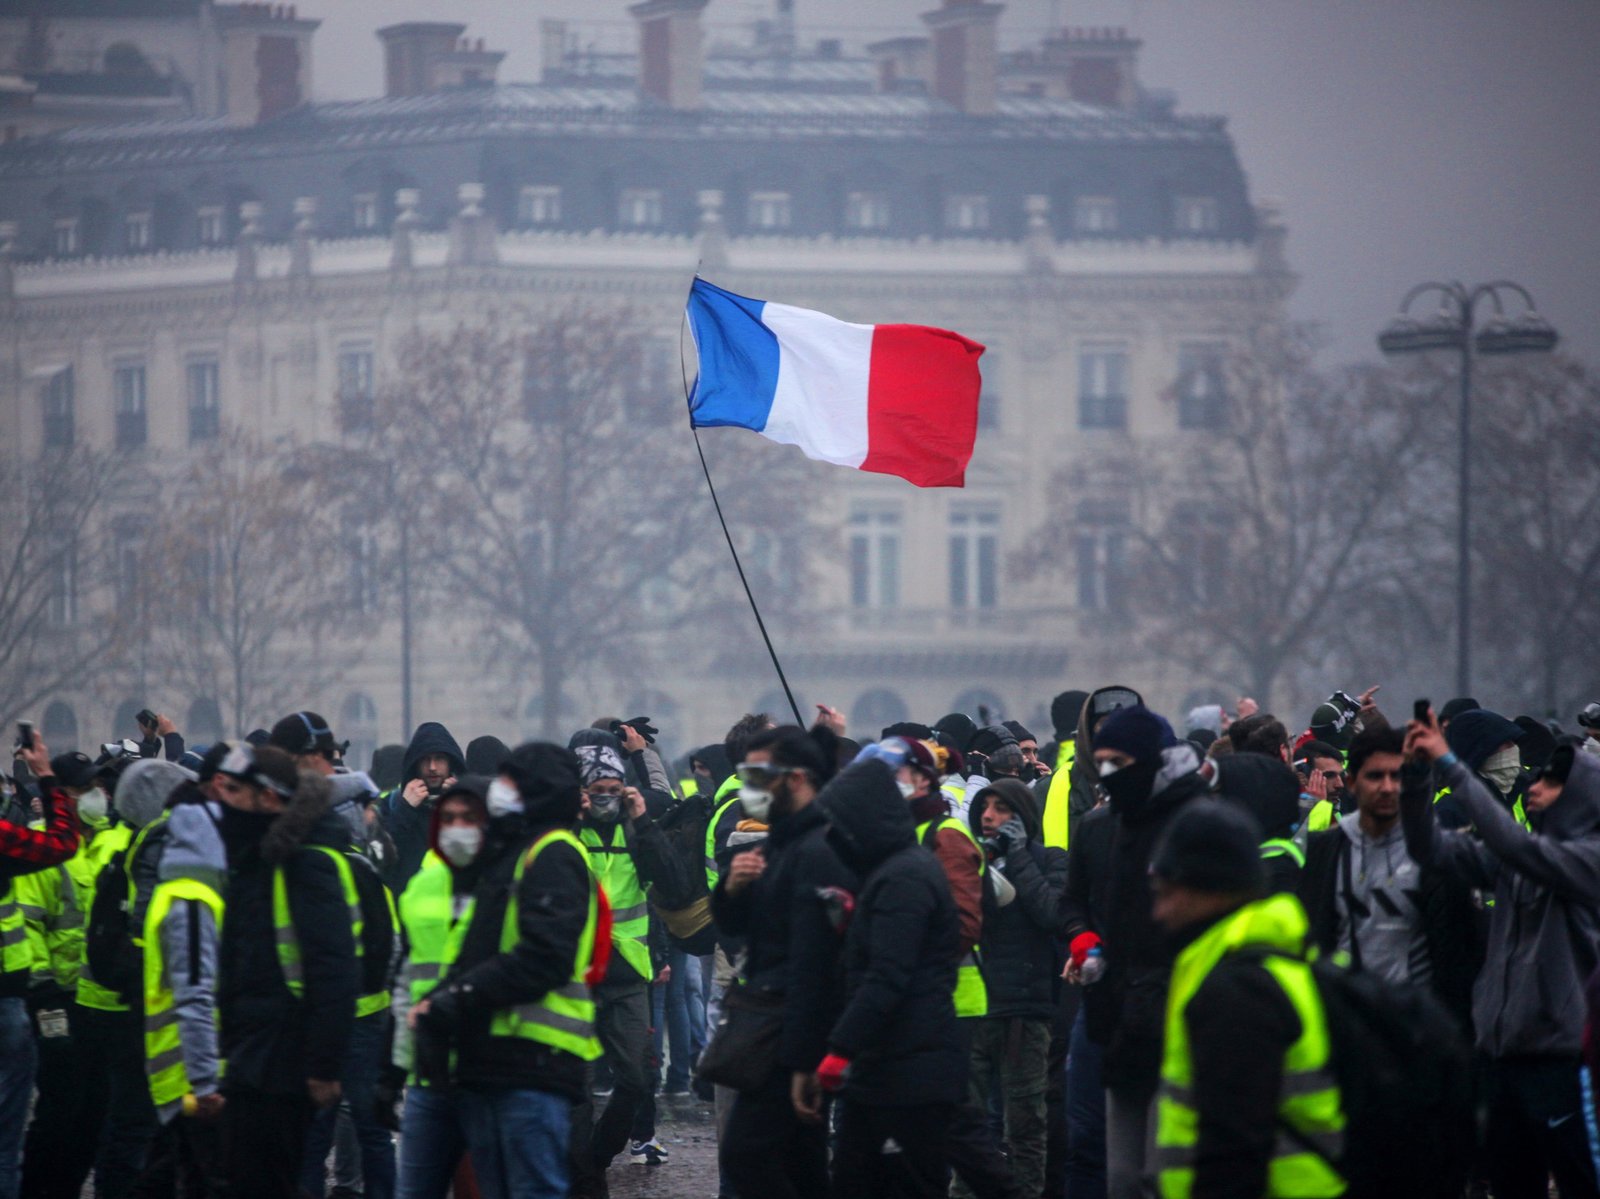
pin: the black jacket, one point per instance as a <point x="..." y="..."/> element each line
<point x="793" y="948"/>
<point x="272" y="1041"/>
<point x="1021" y="942"/>
<point x="552" y="905"/>
<point x="408" y="826"/>
<point x="898" y="1027"/>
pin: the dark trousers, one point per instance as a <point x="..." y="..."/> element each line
<point x="53" y="1165"/>
<point x="622" y="1026"/>
<point x="767" y="1151"/>
<point x="363" y="1065"/>
<point x="1537" y="1128"/>
<point x="1086" y="1116"/>
<point x="116" y="1099"/>
<point x="970" y="1142"/>
<point x="186" y="1161"/>
<point x="1055" y="1095"/>
<point x="264" y="1142"/>
<point x="919" y="1170"/>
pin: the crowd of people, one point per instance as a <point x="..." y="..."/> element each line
<point x="1358" y="958"/>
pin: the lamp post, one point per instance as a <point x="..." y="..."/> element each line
<point x="1452" y="328"/>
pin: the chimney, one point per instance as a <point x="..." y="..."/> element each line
<point x="1100" y="65"/>
<point x="964" y="54"/>
<point x="410" y="52"/>
<point x="266" y="60"/>
<point x="671" y="51"/>
<point x="305" y="229"/>
<point x="246" y="268"/>
<point x="903" y="63"/>
<point x="468" y="65"/>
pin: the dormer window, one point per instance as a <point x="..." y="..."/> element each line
<point x="1094" y="214"/>
<point x="866" y="211"/>
<point x="639" y="208"/>
<point x="966" y="214"/>
<point x="1195" y="215"/>
<point x="769" y="210"/>
<point x="137" y="229"/>
<point x="539" y="205"/>
<point x="66" y="239"/>
<point x="209" y="224"/>
<point x="364" y="212"/>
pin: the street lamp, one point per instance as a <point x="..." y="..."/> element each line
<point x="1451" y="328"/>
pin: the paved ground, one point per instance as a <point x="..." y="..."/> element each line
<point x="689" y="1135"/>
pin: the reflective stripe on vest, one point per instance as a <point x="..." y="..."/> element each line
<point x="288" y="941"/>
<point x="1056" y="826"/>
<point x="1278" y="847"/>
<point x="15" y="957"/>
<point x="562" y="1018"/>
<point x="106" y="845"/>
<point x="613" y="866"/>
<point x="971" y="993"/>
<point x="163" y="1047"/>
<point x="1308" y="1100"/>
<point x="719" y="805"/>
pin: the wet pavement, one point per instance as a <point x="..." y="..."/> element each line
<point x="688" y="1132"/>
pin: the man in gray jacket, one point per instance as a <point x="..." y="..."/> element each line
<point x="1544" y="941"/>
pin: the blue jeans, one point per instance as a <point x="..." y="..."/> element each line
<point x="1086" y="1116"/>
<point x="432" y="1143"/>
<point x="19" y="1058"/>
<point x="359" y="1080"/>
<point x="680" y="1018"/>
<point x="519" y="1142"/>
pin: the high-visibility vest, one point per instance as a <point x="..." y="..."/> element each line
<point x="288" y="940"/>
<point x="562" y="1018"/>
<point x="720" y="803"/>
<point x="1056" y="827"/>
<point x="1280" y="847"/>
<point x="106" y="845"/>
<point x="689" y="787"/>
<point x="1309" y="1101"/>
<point x="163" y="1047"/>
<point x="1320" y="816"/>
<point x="15" y="956"/>
<point x="613" y="866"/>
<point x="971" y="994"/>
<point x="427" y="910"/>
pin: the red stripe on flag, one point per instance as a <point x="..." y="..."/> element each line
<point x="922" y="404"/>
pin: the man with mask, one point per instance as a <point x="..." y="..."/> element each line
<point x="288" y="973"/>
<point x="1486" y="742"/>
<point x="776" y="896"/>
<point x="433" y="760"/>
<point x="512" y="1024"/>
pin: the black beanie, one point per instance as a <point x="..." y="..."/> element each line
<point x="956" y="729"/>
<point x="1211" y="846"/>
<point x="990" y="739"/>
<point x="73" y="769"/>
<point x="302" y="732"/>
<point x="1020" y="731"/>
<point x="484" y="755"/>
<point x="1455" y="707"/>
<point x="1065" y="710"/>
<point x="909" y="729"/>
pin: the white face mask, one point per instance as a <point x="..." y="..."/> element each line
<point x="907" y="790"/>
<point x="757" y="802"/>
<point x="93" y="806"/>
<point x="460" y="843"/>
<point x="1107" y="769"/>
<point x="1502" y="768"/>
<point x="504" y="799"/>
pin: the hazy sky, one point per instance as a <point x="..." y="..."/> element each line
<point x="1407" y="139"/>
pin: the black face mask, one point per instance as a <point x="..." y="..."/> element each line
<point x="1131" y="786"/>
<point x="243" y="830"/>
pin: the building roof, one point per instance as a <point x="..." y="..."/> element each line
<point x="99" y="8"/>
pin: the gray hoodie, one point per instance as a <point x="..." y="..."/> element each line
<point x="193" y="849"/>
<point x="1544" y="933"/>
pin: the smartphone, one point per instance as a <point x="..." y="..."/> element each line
<point x="146" y="719"/>
<point x="24" y="734"/>
<point x="1420" y="710"/>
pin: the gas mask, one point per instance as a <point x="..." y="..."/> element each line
<point x="605" y="807"/>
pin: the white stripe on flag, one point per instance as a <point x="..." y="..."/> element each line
<point x="821" y="401"/>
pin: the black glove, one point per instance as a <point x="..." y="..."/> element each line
<point x="1011" y="836"/>
<point x="386" y="1098"/>
<point x="640" y="725"/>
<point x="443" y="1012"/>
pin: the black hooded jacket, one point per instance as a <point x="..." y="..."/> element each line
<point x="1021" y="943"/>
<point x="898" y="1027"/>
<point x="407" y="825"/>
<point x="272" y="1041"/>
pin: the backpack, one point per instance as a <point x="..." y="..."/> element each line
<point x="1404" y="1073"/>
<point x="687" y="917"/>
<point x="108" y="944"/>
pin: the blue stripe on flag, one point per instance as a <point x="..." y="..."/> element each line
<point x="738" y="360"/>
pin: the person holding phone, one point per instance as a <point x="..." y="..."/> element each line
<point x="158" y="736"/>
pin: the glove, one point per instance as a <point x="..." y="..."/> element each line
<point x="386" y="1097"/>
<point x="443" y="1012"/>
<point x="640" y="725"/>
<point x="1011" y="836"/>
<point x="1081" y="945"/>
<point x="892" y="751"/>
<point x="833" y="1072"/>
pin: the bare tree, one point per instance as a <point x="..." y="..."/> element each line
<point x="252" y="587"/>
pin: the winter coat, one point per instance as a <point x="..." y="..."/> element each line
<point x="793" y="948"/>
<point x="1544" y="932"/>
<point x="1021" y="943"/>
<point x="408" y="826"/>
<point x="273" y="1041"/>
<point x="898" y="1027"/>
<point x="189" y="934"/>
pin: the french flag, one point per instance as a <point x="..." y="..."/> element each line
<point x="895" y="399"/>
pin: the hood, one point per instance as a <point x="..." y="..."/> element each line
<point x="1178" y="762"/>
<point x="484" y="755"/>
<point x="349" y="795"/>
<point x="145" y="787"/>
<point x="1577" y="812"/>
<point x="388" y="763"/>
<point x="1084" y="775"/>
<point x="870" y="820"/>
<point x="307" y="820"/>
<point x="1264" y="787"/>
<point x="716" y="759"/>
<point x="475" y="788"/>
<point x="1066" y="710"/>
<point x="1206" y="716"/>
<point x="1476" y="733"/>
<point x="431" y="738"/>
<point x="1017" y="794"/>
<point x="193" y="847"/>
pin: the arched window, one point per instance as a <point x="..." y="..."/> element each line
<point x="358" y="724"/>
<point x="204" y="726"/>
<point x="983" y="705"/>
<point x="875" y="711"/>
<point x="60" y="728"/>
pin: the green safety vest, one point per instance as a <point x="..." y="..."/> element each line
<point x="971" y="994"/>
<point x="689" y="787"/>
<point x="1279" y="847"/>
<point x="1320" y="816"/>
<point x="612" y="865"/>
<point x="1056" y="826"/>
<point x="163" y="1048"/>
<point x="15" y="956"/>
<point x="562" y="1018"/>
<point x="106" y="845"/>
<point x="427" y="910"/>
<point x="719" y="805"/>
<point x="1308" y="1102"/>
<point x="289" y="941"/>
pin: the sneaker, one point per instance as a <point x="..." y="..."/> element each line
<point x="681" y="1093"/>
<point x="601" y="1092"/>
<point x="647" y="1153"/>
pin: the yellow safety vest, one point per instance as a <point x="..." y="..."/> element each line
<point x="427" y="910"/>
<point x="163" y="1048"/>
<point x="613" y="866"/>
<point x="288" y="940"/>
<point x="563" y="1018"/>
<point x="15" y="956"/>
<point x="1320" y="816"/>
<point x="689" y="787"/>
<point x="1279" y="847"/>
<point x="1309" y="1101"/>
<point x="719" y="805"/>
<point x="1056" y="826"/>
<point x="102" y="849"/>
<point x="971" y="994"/>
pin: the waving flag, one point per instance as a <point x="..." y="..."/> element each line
<point x="895" y="399"/>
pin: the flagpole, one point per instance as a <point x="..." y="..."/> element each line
<point x="683" y="370"/>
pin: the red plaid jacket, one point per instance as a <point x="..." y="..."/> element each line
<point x="24" y="850"/>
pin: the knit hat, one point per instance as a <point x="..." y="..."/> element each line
<point x="1537" y="743"/>
<point x="921" y="757"/>
<point x="1065" y="710"/>
<point x="1211" y="846"/>
<point x="1137" y="732"/>
<point x="597" y="762"/>
<point x="908" y="729"/>
<point x="484" y="755"/>
<point x="989" y="739"/>
<point x="73" y="770"/>
<point x="1477" y="733"/>
<point x="956" y="730"/>
<point x="1019" y="731"/>
<point x="144" y="788"/>
<point x="302" y="733"/>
